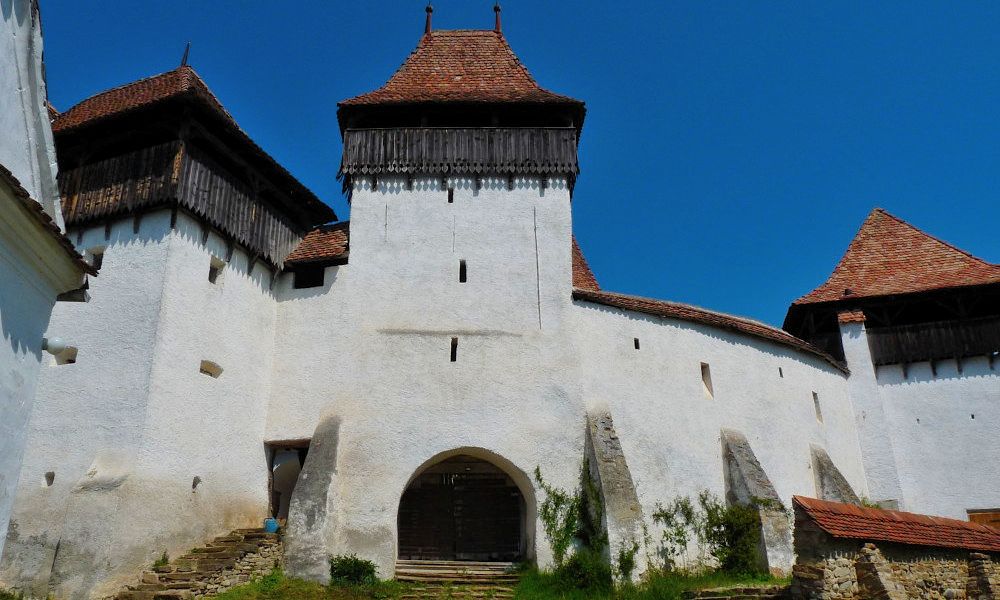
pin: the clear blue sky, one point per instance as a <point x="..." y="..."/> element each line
<point x="731" y="149"/>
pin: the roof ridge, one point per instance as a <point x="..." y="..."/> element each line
<point x="696" y="307"/>
<point x="126" y="85"/>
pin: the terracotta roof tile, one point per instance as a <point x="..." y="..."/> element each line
<point x="889" y="256"/>
<point x="461" y="66"/>
<point x="872" y="524"/>
<point x="687" y="312"/>
<point x="181" y="82"/>
<point x="44" y="219"/>
<point x="583" y="277"/>
<point x="327" y="242"/>
<point x="851" y="316"/>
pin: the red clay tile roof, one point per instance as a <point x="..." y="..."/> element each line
<point x="889" y="256"/>
<point x="44" y="219"/>
<point x="859" y="523"/>
<point x="327" y="242"/>
<point x="461" y="66"/>
<point x="583" y="277"/>
<point x="851" y="316"/>
<point x="181" y="82"/>
<point x="687" y="312"/>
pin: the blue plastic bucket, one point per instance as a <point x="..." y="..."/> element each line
<point x="271" y="525"/>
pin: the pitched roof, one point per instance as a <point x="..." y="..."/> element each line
<point x="44" y="219"/>
<point x="583" y="277"/>
<point x="463" y="65"/>
<point x="687" y="312"/>
<point x="182" y="82"/>
<point x="859" y="523"/>
<point x="889" y="256"/>
<point x="325" y="243"/>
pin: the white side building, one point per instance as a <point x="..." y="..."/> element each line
<point x="36" y="262"/>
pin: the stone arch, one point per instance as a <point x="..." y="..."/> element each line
<point x="469" y="456"/>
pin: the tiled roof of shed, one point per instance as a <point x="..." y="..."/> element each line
<point x="44" y="219"/>
<point x="687" y="312"/>
<point x="180" y="82"/>
<point x="888" y="256"/>
<point x="856" y="522"/>
<point x="463" y="65"/>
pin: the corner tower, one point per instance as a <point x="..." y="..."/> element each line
<point x="460" y="171"/>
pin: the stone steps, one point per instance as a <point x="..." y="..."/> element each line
<point x="474" y="580"/>
<point x="198" y="572"/>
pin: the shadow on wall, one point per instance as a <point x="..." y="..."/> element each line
<point x="941" y="370"/>
<point x="21" y="9"/>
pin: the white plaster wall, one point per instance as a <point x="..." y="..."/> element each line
<point x="129" y="426"/>
<point x="670" y="430"/>
<point x="26" y="299"/>
<point x="373" y="346"/>
<point x="947" y="461"/>
<point x="26" y="147"/>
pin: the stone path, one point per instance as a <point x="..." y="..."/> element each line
<point x="225" y="562"/>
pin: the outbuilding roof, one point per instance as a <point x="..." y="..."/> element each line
<point x="688" y="312"/>
<point x="872" y="524"/>
<point x="462" y="65"/>
<point x="889" y="256"/>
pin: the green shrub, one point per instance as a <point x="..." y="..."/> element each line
<point x="348" y="569"/>
<point x="731" y="534"/>
<point x="585" y="569"/>
<point x="10" y="595"/>
<point x="163" y="561"/>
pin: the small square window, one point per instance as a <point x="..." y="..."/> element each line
<point x="309" y="277"/>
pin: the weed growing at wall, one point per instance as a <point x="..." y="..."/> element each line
<point x="729" y="534"/>
<point x="8" y="595"/>
<point x="575" y="521"/>
<point x="348" y="569"/>
<point x="163" y="561"/>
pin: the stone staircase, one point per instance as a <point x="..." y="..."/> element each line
<point x="457" y="579"/>
<point x="773" y="592"/>
<point x="224" y="562"/>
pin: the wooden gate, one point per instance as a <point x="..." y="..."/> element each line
<point x="461" y="509"/>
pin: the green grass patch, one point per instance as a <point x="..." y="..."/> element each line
<point x="8" y="595"/>
<point x="276" y="586"/>
<point x="671" y="585"/>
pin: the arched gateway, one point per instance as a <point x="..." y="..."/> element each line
<point x="467" y="504"/>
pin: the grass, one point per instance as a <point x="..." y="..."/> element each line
<point x="8" y="595"/>
<point x="535" y="585"/>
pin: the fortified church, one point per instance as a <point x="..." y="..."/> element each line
<point x="388" y="385"/>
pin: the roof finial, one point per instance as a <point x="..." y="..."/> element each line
<point x="427" y="24"/>
<point x="187" y="50"/>
<point x="496" y="9"/>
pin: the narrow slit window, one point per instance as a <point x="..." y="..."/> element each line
<point x="706" y="381"/>
<point x="781" y="374"/>
<point x="67" y="356"/>
<point x="210" y="368"/>
<point x="635" y="342"/>
<point x="451" y="195"/>
<point x="309" y="277"/>
<point x="816" y="407"/>
<point x="215" y="267"/>
<point x="454" y="349"/>
<point x="462" y="272"/>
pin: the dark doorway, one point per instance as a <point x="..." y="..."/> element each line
<point x="285" y="460"/>
<point x="462" y="508"/>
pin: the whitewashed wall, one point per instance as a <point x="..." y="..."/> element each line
<point x="26" y="147"/>
<point x="670" y="429"/>
<point x="946" y="433"/>
<point x="129" y="426"/>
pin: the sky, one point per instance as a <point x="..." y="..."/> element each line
<point x="730" y="151"/>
